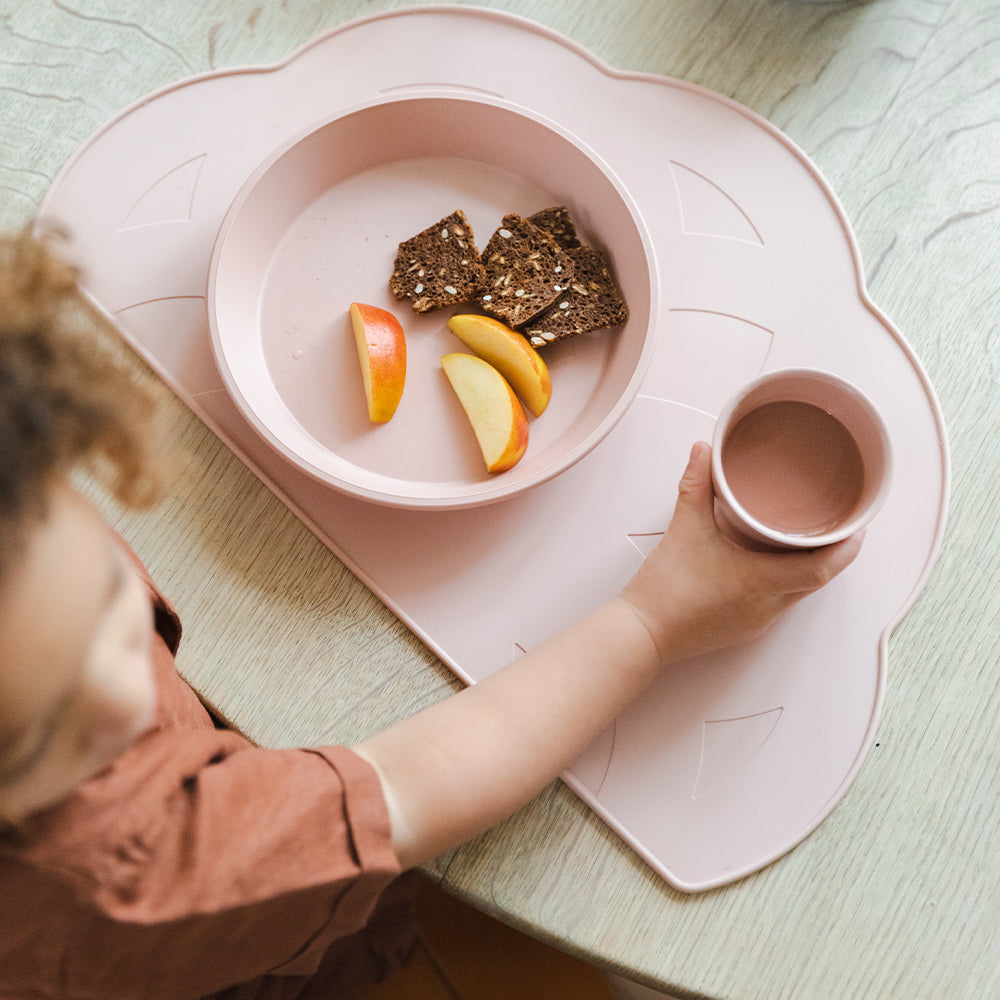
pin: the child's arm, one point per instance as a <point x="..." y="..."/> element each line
<point x="463" y="765"/>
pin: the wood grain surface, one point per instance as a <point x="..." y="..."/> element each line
<point x="897" y="895"/>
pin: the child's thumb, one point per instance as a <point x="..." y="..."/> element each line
<point x="695" y="496"/>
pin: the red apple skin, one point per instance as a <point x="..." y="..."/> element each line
<point x="381" y="347"/>
<point x="494" y="411"/>
<point x="510" y="353"/>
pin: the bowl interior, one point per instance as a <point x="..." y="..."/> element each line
<point x="317" y="226"/>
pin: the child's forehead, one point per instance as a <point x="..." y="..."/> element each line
<point x="50" y="604"/>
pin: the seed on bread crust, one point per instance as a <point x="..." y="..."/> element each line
<point x="438" y="266"/>
<point x="558" y="223"/>
<point x="591" y="301"/>
<point x="523" y="266"/>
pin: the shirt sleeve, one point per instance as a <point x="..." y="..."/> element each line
<point x="197" y="861"/>
<point x="217" y="863"/>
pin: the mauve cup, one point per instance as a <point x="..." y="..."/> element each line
<point x="865" y="472"/>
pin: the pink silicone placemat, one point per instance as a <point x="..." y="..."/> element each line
<point x="724" y="764"/>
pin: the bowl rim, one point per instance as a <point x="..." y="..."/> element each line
<point x="468" y="493"/>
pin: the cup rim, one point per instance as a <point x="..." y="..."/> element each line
<point x="757" y="530"/>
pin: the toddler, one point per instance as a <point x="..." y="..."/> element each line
<point x="146" y="851"/>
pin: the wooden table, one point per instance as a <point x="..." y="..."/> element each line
<point x="897" y="895"/>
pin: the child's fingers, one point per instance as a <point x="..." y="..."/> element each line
<point x="805" y="572"/>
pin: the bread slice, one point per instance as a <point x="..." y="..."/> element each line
<point x="439" y="266"/>
<point x="558" y="223"/>
<point x="592" y="301"/>
<point x="525" y="270"/>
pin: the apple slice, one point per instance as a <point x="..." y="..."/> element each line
<point x="382" y="353"/>
<point x="511" y="355"/>
<point x="495" y="413"/>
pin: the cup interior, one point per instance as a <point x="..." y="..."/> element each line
<point x="841" y="400"/>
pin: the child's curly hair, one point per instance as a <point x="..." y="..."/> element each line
<point x="67" y="402"/>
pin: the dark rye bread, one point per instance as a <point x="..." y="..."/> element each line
<point x="558" y="223"/>
<point x="439" y="266"/>
<point x="592" y="301"/>
<point x="525" y="270"/>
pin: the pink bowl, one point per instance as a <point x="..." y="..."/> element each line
<point x="316" y="227"/>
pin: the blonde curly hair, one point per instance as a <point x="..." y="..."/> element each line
<point x="69" y="401"/>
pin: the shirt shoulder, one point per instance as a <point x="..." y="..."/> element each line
<point x="206" y="858"/>
<point x="166" y="620"/>
<point x="200" y="855"/>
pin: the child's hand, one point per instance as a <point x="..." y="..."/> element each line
<point x="524" y="724"/>
<point x="699" y="591"/>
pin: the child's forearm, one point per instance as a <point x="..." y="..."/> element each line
<point x="463" y="765"/>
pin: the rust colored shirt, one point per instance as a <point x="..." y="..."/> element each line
<point x="200" y="865"/>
